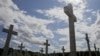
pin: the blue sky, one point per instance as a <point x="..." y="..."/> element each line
<point x="38" y="20"/>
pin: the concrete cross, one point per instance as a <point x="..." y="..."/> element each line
<point x="88" y="44"/>
<point x="82" y="53"/>
<point x="95" y="49"/>
<point x="26" y="52"/>
<point x="98" y="52"/>
<point x="14" y="52"/>
<point x="46" y="44"/>
<point x="54" y="53"/>
<point x="79" y="53"/>
<point x="69" y="11"/>
<point x="21" y="47"/>
<point x="10" y="32"/>
<point x="98" y="49"/>
<point x="41" y="51"/>
<point x="63" y="50"/>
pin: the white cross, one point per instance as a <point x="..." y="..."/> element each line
<point x="69" y="11"/>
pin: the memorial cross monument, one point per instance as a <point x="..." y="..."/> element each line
<point x="69" y="11"/>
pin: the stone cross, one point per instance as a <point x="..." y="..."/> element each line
<point x="46" y="44"/>
<point x="14" y="52"/>
<point x="98" y="49"/>
<point x="10" y="52"/>
<point x="54" y="53"/>
<point x="41" y="51"/>
<point x="69" y="11"/>
<point x="88" y="44"/>
<point x="95" y="49"/>
<point x="10" y="32"/>
<point x="98" y="52"/>
<point x="63" y="50"/>
<point x="26" y="53"/>
<point x="83" y="54"/>
<point x="79" y="53"/>
<point x="21" y="46"/>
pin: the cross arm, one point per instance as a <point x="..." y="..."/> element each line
<point x="15" y="33"/>
<point x="5" y="30"/>
<point x="21" y="46"/>
<point x="94" y="46"/>
<point x="87" y="37"/>
<point x="63" y="48"/>
<point x="69" y="11"/>
<point x="46" y="44"/>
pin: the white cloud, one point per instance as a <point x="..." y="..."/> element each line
<point x="74" y="2"/>
<point x="97" y="28"/>
<point x="54" y="13"/>
<point x="8" y="3"/>
<point x="2" y="40"/>
<point x="26" y="26"/>
<point x="80" y="44"/>
<point x="64" y="31"/>
<point x="64" y="39"/>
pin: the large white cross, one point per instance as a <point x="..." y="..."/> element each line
<point x="69" y="11"/>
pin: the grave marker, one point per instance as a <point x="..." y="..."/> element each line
<point x="10" y="32"/>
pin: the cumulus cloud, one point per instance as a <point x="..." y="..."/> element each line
<point x="64" y="31"/>
<point x="54" y="13"/>
<point x="75" y="2"/>
<point x="97" y="28"/>
<point x="26" y="26"/>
